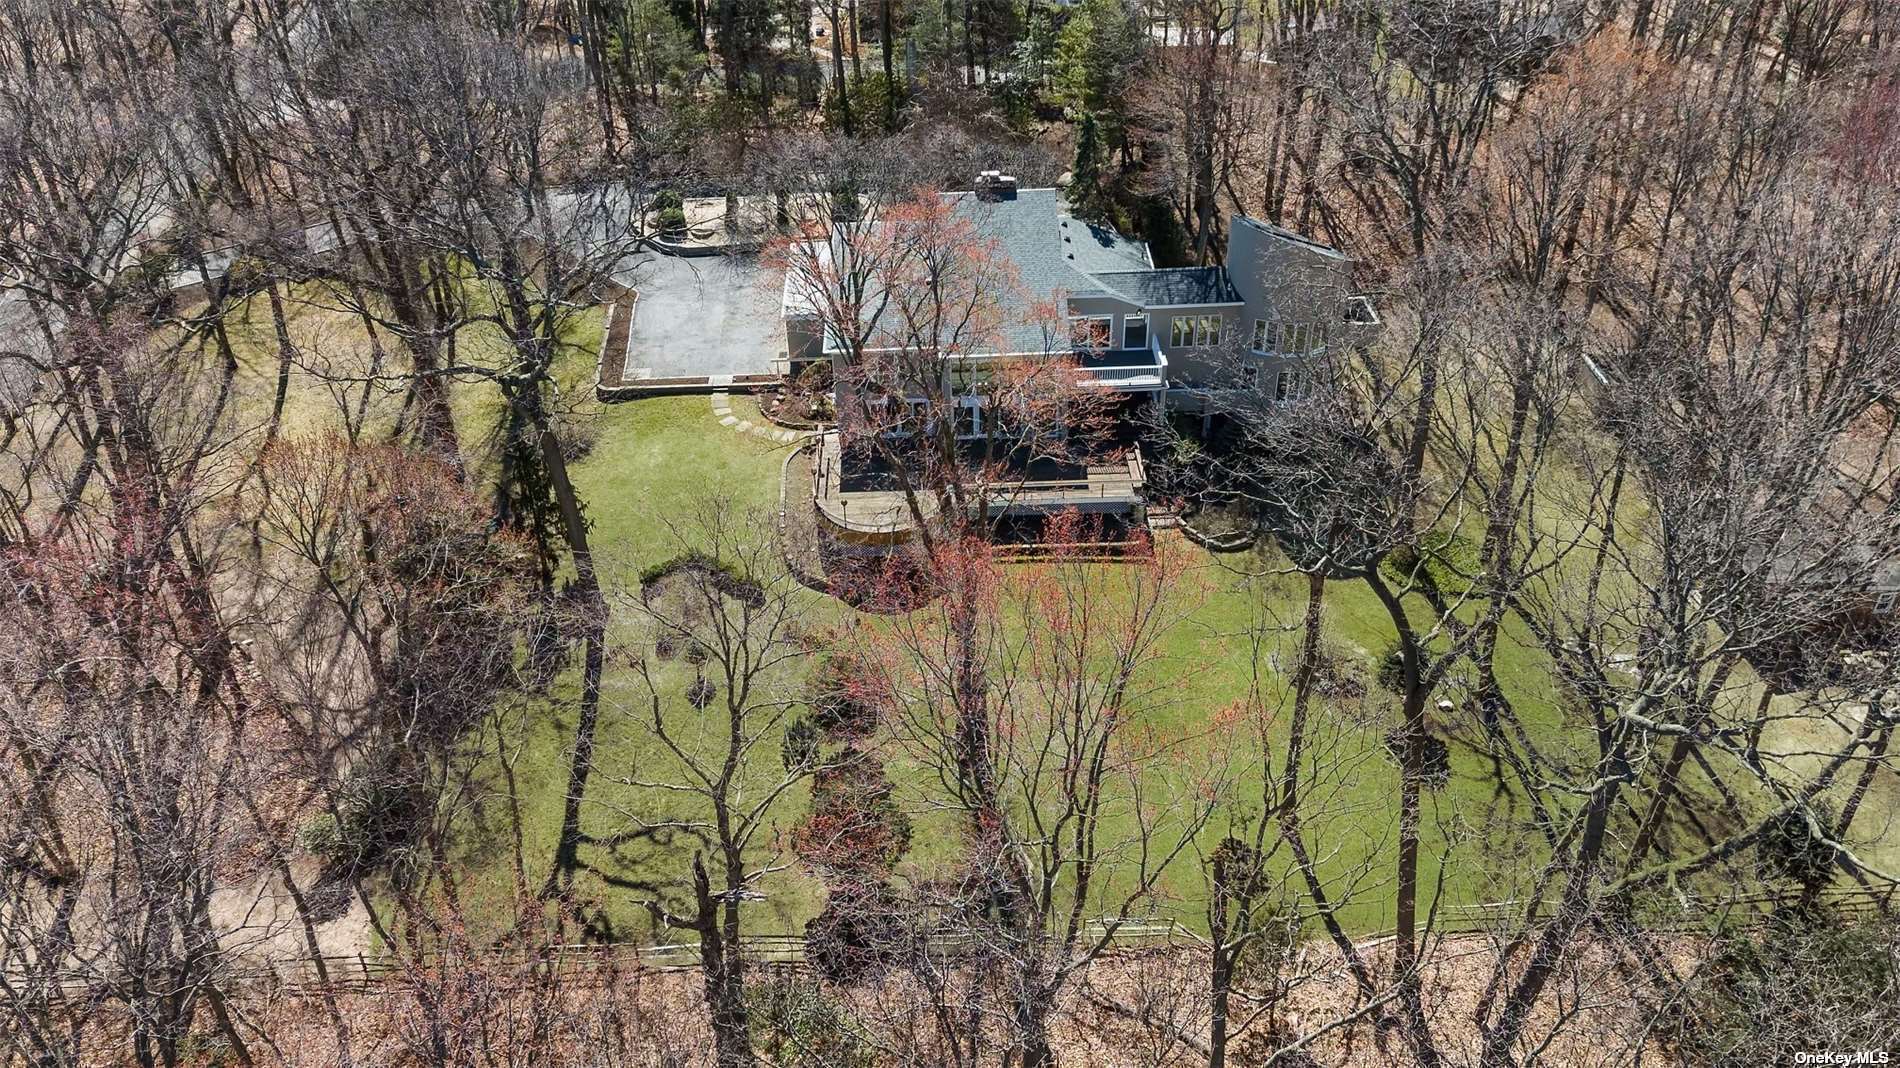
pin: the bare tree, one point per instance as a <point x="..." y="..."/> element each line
<point x="1066" y="815"/>
<point x="719" y="633"/>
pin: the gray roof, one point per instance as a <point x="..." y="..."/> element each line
<point x="1285" y="234"/>
<point x="1051" y="251"/>
<point x="1161" y="287"/>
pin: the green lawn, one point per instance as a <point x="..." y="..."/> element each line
<point x="654" y="467"/>
<point x="654" y="464"/>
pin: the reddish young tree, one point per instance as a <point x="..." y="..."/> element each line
<point x="923" y="310"/>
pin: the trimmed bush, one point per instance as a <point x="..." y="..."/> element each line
<point x="799" y="750"/>
<point x="1392" y="667"/>
<point x="1437" y="771"/>
<point x="858" y="935"/>
<point x="1789" y="849"/>
<point x="728" y="580"/>
<point x="840" y="706"/>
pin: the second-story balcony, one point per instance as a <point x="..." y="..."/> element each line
<point x="1141" y="370"/>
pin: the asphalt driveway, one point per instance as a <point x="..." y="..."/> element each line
<point x="704" y="316"/>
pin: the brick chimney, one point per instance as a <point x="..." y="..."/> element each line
<point x="995" y="185"/>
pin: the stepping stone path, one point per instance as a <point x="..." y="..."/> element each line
<point x="722" y="409"/>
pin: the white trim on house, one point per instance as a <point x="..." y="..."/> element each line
<point x="1198" y="333"/>
<point x="1146" y="331"/>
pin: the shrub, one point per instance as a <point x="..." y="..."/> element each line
<point x="799" y="750"/>
<point x="1437" y="771"/>
<point x="859" y="933"/>
<point x="855" y="829"/>
<point x="1789" y="849"/>
<point x="727" y="579"/>
<point x="1392" y="667"/>
<point x="701" y="692"/>
<point x="672" y="221"/>
<point x="577" y="437"/>
<point x="840" y="705"/>
<point x="1791" y="985"/>
<point x="246" y="275"/>
<point x="321" y="837"/>
<point x="377" y="810"/>
<point x="148" y="282"/>
<point x="1337" y="674"/>
<point x="798" y="1025"/>
<point x="667" y="200"/>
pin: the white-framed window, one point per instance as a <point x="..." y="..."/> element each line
<point x="914" y="416"/>
<point x="1135" y="332"/>
<point x="970" y="416"/>
<point x="1195" y="330"/>
<point x="1271" y="337"/>
<point x="1090" y="331"/>
<point x="1287" y="386"/>
<point x="1884" y="603"/>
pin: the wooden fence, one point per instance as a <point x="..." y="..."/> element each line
<point x="602" y="961"/>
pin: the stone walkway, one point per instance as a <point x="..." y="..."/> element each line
<point x="722" y="409"/>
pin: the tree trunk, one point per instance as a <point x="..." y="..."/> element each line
<point x="837" y="71"/>
<point x="285" y="350"/>
<point x="1571" y="913"/>
<point x="722" y="968"/>
<point x="594" y="609"/>
<point x="1405" y="946"/>
<point x="885" y="43"/>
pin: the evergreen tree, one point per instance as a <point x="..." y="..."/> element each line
<point x="1086" y="197"/>
<point x="1097" y="58"/>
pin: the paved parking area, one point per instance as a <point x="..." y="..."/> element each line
<point x="703" y="317"/>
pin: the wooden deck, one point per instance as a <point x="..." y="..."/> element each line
<point x="884" y="515"/>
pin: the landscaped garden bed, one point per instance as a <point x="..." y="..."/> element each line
<point x="803" y="401"/>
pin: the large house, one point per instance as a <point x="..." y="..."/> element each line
<point x="1174" y="336"/>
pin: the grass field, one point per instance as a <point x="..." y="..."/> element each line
<point x="655" y="461"/>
